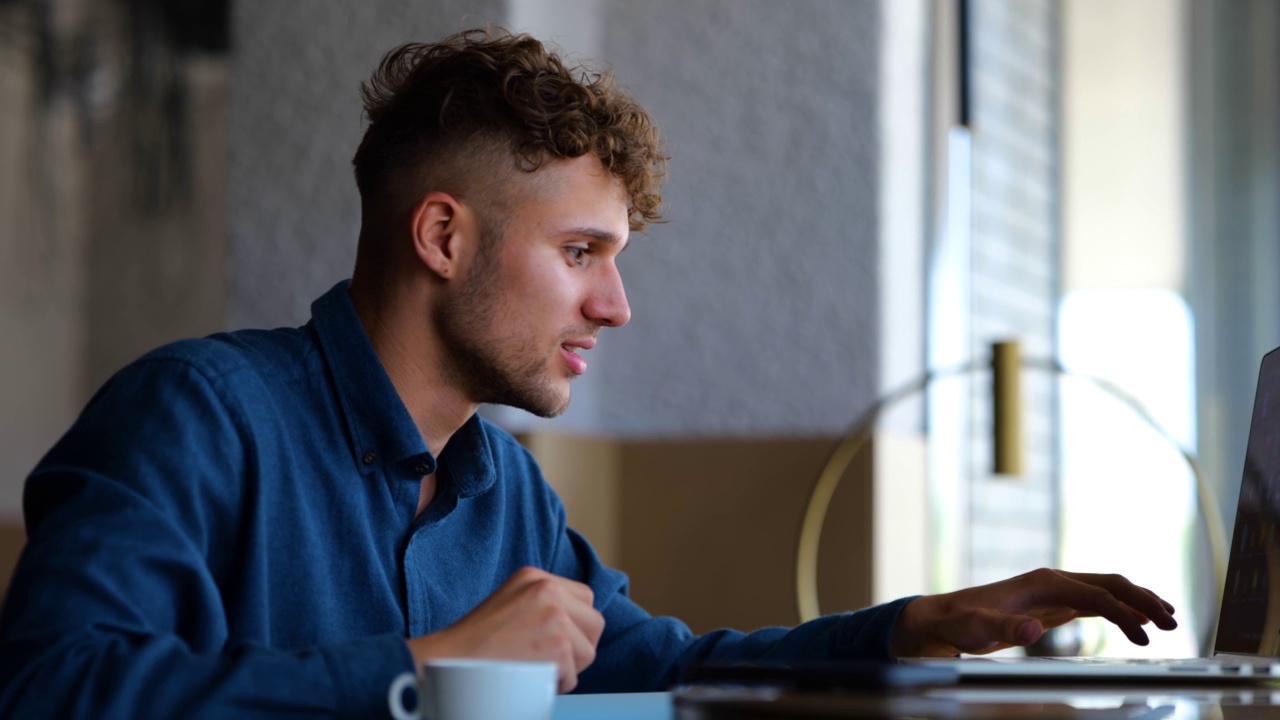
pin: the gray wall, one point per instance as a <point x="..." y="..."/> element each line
<point x="754" y="310"/>
<point x="756" y="306"/>
<point x="295" y="123"/>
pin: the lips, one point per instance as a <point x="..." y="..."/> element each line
<point x="569" y="352"/>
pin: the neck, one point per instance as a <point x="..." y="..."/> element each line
<point x="397" y="327"/>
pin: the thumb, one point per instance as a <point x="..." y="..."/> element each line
<point x="981" y="630"/>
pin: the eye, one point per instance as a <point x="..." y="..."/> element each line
<point x="577" y="254"/>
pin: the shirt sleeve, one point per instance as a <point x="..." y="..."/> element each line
<point x="639" y="653"/>
<point x="115" y="610"/>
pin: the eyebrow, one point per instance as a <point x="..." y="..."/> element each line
<point x="602" y="236"/>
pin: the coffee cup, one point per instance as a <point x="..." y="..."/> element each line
<point x="470" y="689"/>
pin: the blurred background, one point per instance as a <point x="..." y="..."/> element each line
<point x="860" y="192"/>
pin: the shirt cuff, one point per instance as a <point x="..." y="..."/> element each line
<point x="873" y="634"/>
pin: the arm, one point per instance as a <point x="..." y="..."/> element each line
<point x="115" y="607"/>
<point x="638" y="652"/>
<point x="1019" y="610"/>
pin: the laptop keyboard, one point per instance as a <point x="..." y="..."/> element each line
<point x="1182" y="663"/>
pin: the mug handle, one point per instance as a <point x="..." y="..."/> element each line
<point x="394" y="695"/>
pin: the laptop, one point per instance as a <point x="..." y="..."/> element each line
<point x="1248" y="639"/>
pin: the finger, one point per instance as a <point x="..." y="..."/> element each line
<point x="582" y="649"/>
<point x="568" y="676"/>
<point x="531" y="576"/>
<point x="523" y="578"/>
<point x="587" y="619"/>
<point x="575" y="599"/>
<point x="565" y="649"/>
<point x="1091" y="599"/>
<point x="978" y="630"/>
<point x="1138" y="598"/>
<point x="1165" y="605"/>
<point x="579" y="591"/>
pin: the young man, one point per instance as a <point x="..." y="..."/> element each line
<point x="282" y="521"/>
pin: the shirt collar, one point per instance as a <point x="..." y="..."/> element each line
<point x="382" y="431"/>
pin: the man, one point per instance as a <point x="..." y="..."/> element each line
<point x="276" y="522"/>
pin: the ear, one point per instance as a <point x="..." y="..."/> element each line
<point x="442" y="234"/>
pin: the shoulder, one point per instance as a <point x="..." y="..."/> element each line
<point x="235" y="363"/>
<point x="223" y="354"/>
<point x="173" y="430"/>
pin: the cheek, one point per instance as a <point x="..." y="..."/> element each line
<point x="548" y="290"/>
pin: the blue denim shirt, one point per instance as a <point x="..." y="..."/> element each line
<point x="229" y="529"/>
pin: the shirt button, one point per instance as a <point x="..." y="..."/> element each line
<point x="369" y="458"/>
<point x="421" y="469"/>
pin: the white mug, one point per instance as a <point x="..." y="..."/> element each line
<point x="465" y="689"/>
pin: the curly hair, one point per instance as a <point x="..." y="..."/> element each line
<point x="445" y="112"/>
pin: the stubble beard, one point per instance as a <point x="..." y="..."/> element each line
<point x="491" y="366"/>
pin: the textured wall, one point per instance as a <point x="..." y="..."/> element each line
<point x="295" y="123"/>
<point x="755" y="308"/>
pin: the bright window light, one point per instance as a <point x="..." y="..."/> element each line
<point x="1128" y="498"/>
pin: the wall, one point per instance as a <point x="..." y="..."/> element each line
<point x="1123" y="134"/>
<point x="42" y="177"/>
<point x="295" y="123"/>
<point x="112" y="216"/>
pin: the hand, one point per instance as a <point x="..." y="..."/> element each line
<point x="534" y="615"/>
<point x="1019" y="610"/>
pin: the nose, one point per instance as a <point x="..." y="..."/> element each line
<point x="607" y="303"/>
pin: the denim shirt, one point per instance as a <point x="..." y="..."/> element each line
<point x="229" y="530"/>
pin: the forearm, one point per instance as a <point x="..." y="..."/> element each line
<point x="642" y="653"/>
<point x="864" y="634"/>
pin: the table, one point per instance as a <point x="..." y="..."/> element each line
<point x="978" y="701"/>
<point x="992" y="702"/>
<point x="620" y="706"/>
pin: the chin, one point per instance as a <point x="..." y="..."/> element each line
<point x="546" y="404"/>
<point x="556" y="407"/>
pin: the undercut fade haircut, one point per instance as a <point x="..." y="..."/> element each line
<point x="463" y="114"/>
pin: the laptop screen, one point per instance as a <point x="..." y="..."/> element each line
<point x="1250" y="618"/>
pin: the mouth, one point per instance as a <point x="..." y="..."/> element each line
<point x="569" y="353"/>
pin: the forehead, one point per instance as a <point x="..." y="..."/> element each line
<point x="579" y="192"/>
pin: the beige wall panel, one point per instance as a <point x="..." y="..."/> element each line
<point x="709" y="530"/>
<point x="12" y="538"/>
<point x="585" y="473"/>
